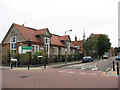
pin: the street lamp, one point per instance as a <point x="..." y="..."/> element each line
<point x="65" y="46"/>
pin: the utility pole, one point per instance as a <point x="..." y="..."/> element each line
<point x="66" y="46"/>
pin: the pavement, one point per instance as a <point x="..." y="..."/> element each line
<point x="112" y="73"/>
<point x="55" y="65"/>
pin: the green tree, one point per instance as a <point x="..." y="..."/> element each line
<point x="103" y="44"/>
<point x="117" y="49"/>
<point x="90" y="46"/>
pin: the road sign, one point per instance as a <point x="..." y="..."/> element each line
<point x="13" y="59"/>
<point x="40" y="56"/>
<point x="26" y="47"/>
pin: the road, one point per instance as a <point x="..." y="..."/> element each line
<point x="75" y="76"/>
<point x="99" y="65"/>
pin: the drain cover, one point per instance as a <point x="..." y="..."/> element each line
<point x="24" y="76"/>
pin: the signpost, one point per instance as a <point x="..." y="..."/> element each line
<point x="13" y="60"/>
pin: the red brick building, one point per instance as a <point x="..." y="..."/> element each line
<point x="41" y="40"/>
<point x="79" y="46"/>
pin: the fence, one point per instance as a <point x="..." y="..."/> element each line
<point x="26" y="59"/>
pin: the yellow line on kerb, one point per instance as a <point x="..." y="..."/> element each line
<point x="106" y="70"/>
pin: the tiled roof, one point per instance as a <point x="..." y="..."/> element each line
<point x="29" y="33"/>
<point x="63" y="37"/>
<point x="55" y="40"/>
<point x="77" y="43"/>
<point x="97" y="35"/>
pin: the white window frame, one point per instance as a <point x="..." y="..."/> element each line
<point x="78" y="47"/>
<point x="13" y="50"/>
<point x="36" y="48"/>
<point x="47" y="45"/>
<point x="11" y="42"/>
<point x="73" y="51"/>
<point x="55" y="53"/>
<point x="62" y="51"/>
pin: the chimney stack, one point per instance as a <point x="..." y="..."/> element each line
<point x="75" y="38"/>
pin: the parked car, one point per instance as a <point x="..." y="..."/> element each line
<point x="87" y="59"/>
<point x="105" y="57"/>
<point x="118" y="57"/>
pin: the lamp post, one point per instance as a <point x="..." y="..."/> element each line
<point x="66" y="46"/>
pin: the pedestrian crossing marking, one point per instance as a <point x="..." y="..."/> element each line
<point x="70" y="72"/>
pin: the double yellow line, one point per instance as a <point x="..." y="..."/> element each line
<point x="106" y="71"/>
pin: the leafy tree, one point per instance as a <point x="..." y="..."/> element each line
<point x="117" y="49"/>
<point x="103" y="44"/>
<point x="90" y="45"/>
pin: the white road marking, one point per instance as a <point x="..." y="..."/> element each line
<point x="69" y="72"/>
<point x="104" y="75"/>
<point x="82" y="68"/>
<point x="62" y="71"/>
<point x="82" y="73"/>
<point x="94" y="68"/>
<point x="92" y="74"/>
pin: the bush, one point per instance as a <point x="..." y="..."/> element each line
<point x="36" y="59"/>
<point x="24" y="59"/>
<point x="69" y="58"/>
<point x="63" y="58"/>
<point x="55" y="58"/>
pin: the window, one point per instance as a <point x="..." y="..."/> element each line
<point x="13" y="45"/>
<point x="68" y="47"/>
<point x="46" y="40"/>
<point x="13" y="41"/>
<point x="35" y="48"/>
<point x="73" y="51"/>
<point x="62" y="51"/>
<point x="55" y="50"/>
<point x="46" y="44"/>
<point x="78" y="47"/>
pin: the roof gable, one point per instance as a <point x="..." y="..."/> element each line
<point x="77" y="43"/>
<point x="12" y="32"/>
<point x="29" y="33"/>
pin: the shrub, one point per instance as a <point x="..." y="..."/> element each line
<point x="24" y="59"/>
<point x="63" y="58"/>
<point x="36" y="59"/>
<point x="55" y="58"/>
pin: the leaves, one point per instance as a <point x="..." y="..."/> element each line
<point x="98" y="45"/>
<point x="103" y="44"/>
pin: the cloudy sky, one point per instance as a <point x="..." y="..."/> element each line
<point x="95" y="16"/>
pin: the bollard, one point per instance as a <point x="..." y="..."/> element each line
<point x="117" y="68"/>
<point x="44" y="65"/>
<point x="11" y="66"/>
<point x="28" y="66"/>
<point x="113" y="66"/>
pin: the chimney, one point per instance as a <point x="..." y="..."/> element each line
<point x="75" y="38"/>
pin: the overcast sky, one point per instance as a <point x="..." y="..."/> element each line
<point x="95" y="16"/>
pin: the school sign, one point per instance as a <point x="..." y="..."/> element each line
<point x="25" y="49"/>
